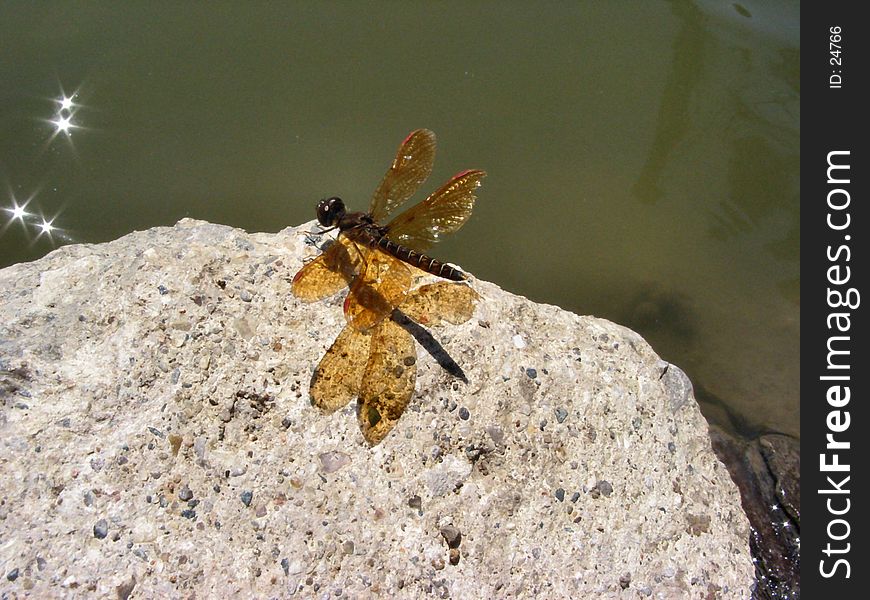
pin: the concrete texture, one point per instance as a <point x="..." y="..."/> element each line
<point x="156" y="440"/>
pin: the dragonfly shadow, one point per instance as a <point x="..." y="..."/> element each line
<point x="429" y="343"/>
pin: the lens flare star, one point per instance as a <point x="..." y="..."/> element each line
<point x="63" y="124"/>
<point x="65" y="118"/>
<point x="66" y="104"/>
<point x="47" y="228"/>
<point x="18" y="212"/>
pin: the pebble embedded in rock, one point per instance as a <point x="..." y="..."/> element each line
<point x="464" y="414"/>
<point x="12" y="575"/>
<point x="532" y="373"/>
<point x="473" y="453"/>
<point x="496" y="433"/>
<point x="333" y="460"/>
<point x="454" y="556"/>
<point x="451" y="535"/>
<point x="124" y="589"/>
<point x="184" y="493"/>
<point x="101" y="529"/>
<point x="246" y="497"/>
<point x="561" y="414"/>
<point x="415" y="502"/>
<point x="560" y="495"/>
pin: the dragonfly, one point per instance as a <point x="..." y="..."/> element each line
<point x="377" y="261"/>
<point x="374" y="357"/>
<point x="379" y="366"/>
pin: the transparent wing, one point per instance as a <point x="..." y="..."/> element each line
<point x="435" y="303"/>
<point x="337" y="379"/>
<point x="374" y="295"/>
<point x="387" y="382"/>
<point x="330" y="272"/>
<point x="445" y="211"/>
<point x="411" y="167"/>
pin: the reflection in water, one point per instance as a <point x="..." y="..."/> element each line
<point x="752" y="159"/>
<point x="727" y="126"/>
<point x="673" y="120"/>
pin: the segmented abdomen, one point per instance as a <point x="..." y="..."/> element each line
<point x="421" y="261"/>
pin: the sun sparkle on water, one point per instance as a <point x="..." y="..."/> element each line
<point x="63" y="124"/>
<point x="66" y="109"/>
<point x="18" y="212"/>
<point x="66" y="104"/>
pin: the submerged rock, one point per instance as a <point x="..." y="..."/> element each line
<point x="767" y="472"/>
<point x="192" y="331"/>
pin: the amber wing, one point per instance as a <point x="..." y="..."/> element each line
<point x="334" y="269"/>
<point x="379" y="366"/>
<point x="410" y="168"/>
<point x="445" y="211"/>
<point x="338" y="376"/>
<point x="387" y="382"/>
<point x="435" y="303"/>
<point x="381" y="287"/>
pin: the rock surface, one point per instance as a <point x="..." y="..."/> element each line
<point x="157" y="441"/>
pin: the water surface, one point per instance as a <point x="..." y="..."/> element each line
<point x="642" y="156"/>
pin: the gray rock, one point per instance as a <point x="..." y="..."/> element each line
<point x="451" y="535"/>
<point x="185" y="493"/>
<point x="672" y="519"/>
<point x="101" y="529"/>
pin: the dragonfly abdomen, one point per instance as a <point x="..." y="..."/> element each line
<point x="421" y="261"/>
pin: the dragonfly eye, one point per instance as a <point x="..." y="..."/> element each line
<point x="329" y="211"/>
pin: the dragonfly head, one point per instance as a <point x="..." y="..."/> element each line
<point x="329" y="211"/>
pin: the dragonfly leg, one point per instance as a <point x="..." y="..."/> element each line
<point x="362" y="257"/>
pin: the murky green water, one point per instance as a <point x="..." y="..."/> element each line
<point x="642" y="156"/>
